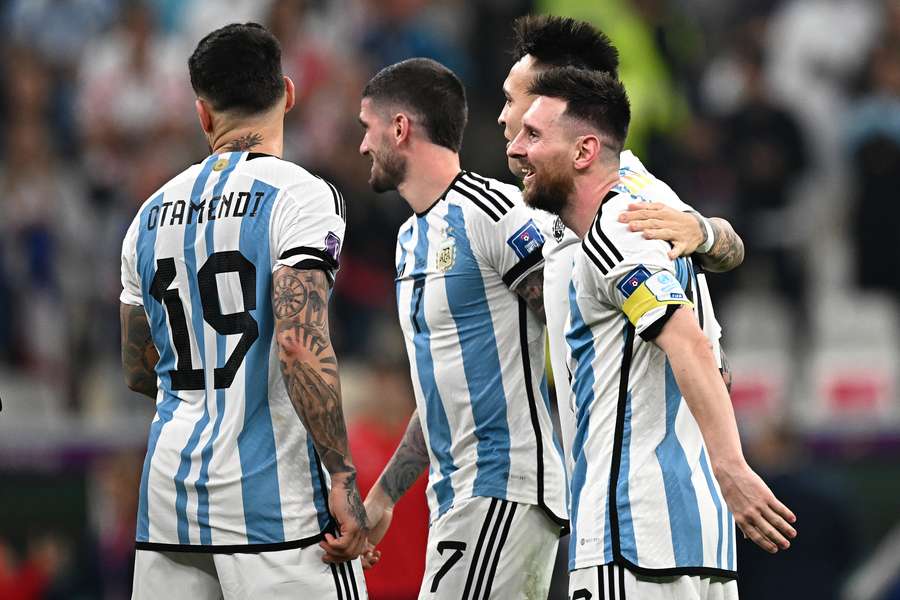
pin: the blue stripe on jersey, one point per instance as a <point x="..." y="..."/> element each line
<point x="156" y="314"/>
<point x="581" y="343"/>
<point x="435" y="415"/>
<point x="190" y="263"/>
<point x="682" y="272"/>
<point x="681" y="499"/>
<point x="730" y="548"/>
<point x="206" y="453"/>
<point x="402" y="241"/>
<point x="481" y="363"/>
<point x="318" y="485"/>
<point x="716" y="500"/>
<point x="256" y="441"/>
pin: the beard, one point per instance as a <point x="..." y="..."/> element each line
<point x="549" y="192"/>
<point x="388" y="171"/>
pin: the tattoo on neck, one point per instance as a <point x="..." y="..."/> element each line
<point x="245" y="142"/>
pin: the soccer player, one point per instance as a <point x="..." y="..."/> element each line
<point x="543" y="42"/>
<point x="659" y="470"/>
<point x="226" y="273"/>
<point x="465" y="294"/>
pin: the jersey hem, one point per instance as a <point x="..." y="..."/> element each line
<point x="561" y="521"/>
<point x="230" y="548"/>
<point x="660" y="572"/>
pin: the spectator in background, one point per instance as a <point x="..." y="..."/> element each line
<point x="873" y="145"/>
<point x="764" y="144"/>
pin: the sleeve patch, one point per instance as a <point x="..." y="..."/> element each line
<point x="333" y="245"/>
<point x="632" y="281"/>
<point x="526" y="240"/>
<point x="665" y="287"/>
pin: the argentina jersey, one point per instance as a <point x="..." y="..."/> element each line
<point x="643" y="493"/>
<point x="476" y="351"/>
<point x="229" y="465"/>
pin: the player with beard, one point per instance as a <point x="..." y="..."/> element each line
<point x="469" y="306"/>
<point x="659" y="477"/>
<point x="543" y="42"/>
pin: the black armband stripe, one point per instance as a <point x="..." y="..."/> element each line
<point x="523" y="266"/>
<point x="481" y="192"/>
<point x="655" y="328"/>
<point x="313" y="252"/>
<point x="487" y="184"/>
<point x="494" y="216"/>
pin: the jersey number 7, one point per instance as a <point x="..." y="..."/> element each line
<point x="185" y="376"/>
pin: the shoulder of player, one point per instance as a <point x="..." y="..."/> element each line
<point x="298" y="184"/>
<point x="490" y="198"/>
<point x="607" y="239"/>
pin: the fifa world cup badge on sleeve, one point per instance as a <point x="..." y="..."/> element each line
<point x="526" y="240"/>
<point x="333" y="245"/>
<point x="628" y="284"/>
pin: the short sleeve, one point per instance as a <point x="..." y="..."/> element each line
<point x="633" y="274"/>
<point x="131" y="283"/>
<point x="308" y="227"/>
<point x="512" y="246"/>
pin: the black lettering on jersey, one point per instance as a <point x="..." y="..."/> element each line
<point x="165" y="209"/>
<point x="152" y="216"/>
<point x="178" y="212"/>
<point x="225" y="205"/>
<point x="211" y="213"/>
<point x="196" y="208"/>
<point x="259" y="197"/>
<point x="240" y="207"/>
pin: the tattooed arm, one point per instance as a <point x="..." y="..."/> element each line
<point x="531" y="289"/>
<point x="139" y="355"/>
<point x="310" y="372"/>
<point x="687" y="232"/>
<point x="727" y="252"/>
<point x="401" y="472"/>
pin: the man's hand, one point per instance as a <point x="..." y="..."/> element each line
<point x="759" y="514"/>
<point x="379" y="511"/>
<point x="659" y="221"/>
<point x="347" y="508"/>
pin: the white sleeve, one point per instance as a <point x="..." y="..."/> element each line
<point x="131" y="282"/>
<point x="513" y="246"/>
<point x="633" y="274"/>
<point x="308" y="227"/>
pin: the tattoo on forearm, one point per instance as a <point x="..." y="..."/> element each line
<point x="531" y="289"/>
<point x="408" y="462"/>
<point x="139" y="355"/>
<point x="727" y="252"/>
<point x="245" y="142"/>
<point x="308" y="363"/>
<point x="354" y="501"/>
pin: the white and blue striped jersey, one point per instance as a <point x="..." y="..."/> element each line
<point x="643" y="493"/>
<point x="560" y="250"/>
<point x="229" y="465"/>
<point x="475" y="350"/>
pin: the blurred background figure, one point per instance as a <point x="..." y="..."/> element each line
<point x="780" y="115"/>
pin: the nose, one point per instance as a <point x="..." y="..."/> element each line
<point x="516" y="148"/>
<point x="501" y="118"/>
<point x="364" y="147"/>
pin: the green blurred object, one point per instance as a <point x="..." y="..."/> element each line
<point x="656" y="103"/>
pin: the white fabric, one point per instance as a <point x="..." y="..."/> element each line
<point x="612" y="582"/>
<point x="494" y="549"/>
<point x="285" y="574"/>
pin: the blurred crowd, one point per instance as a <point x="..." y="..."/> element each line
<point x="782" y="116"/>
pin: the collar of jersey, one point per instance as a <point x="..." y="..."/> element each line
<point x="442" y="196"/>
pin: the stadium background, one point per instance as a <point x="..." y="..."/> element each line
<point x="782" y="116"/>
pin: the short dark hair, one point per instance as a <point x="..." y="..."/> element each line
<point x="592" y="97"/>
<point x="561" y="42"/>
<point x="429" y="90"/>
<point x="238" y="68"/>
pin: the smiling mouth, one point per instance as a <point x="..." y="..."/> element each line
<point x="527" y="173"/>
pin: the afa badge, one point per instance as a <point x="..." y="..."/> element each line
<point x="446" y="255"/>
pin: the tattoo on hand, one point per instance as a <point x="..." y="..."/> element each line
<point x="408" y="461"/>
<point x="727" y="252"/>
<point x="139" y="355"/>
<point x="308" y="363"/>
<point x="245" y="142"/>
<point x="354" y="501"/>
<point x="531" y="289"/>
